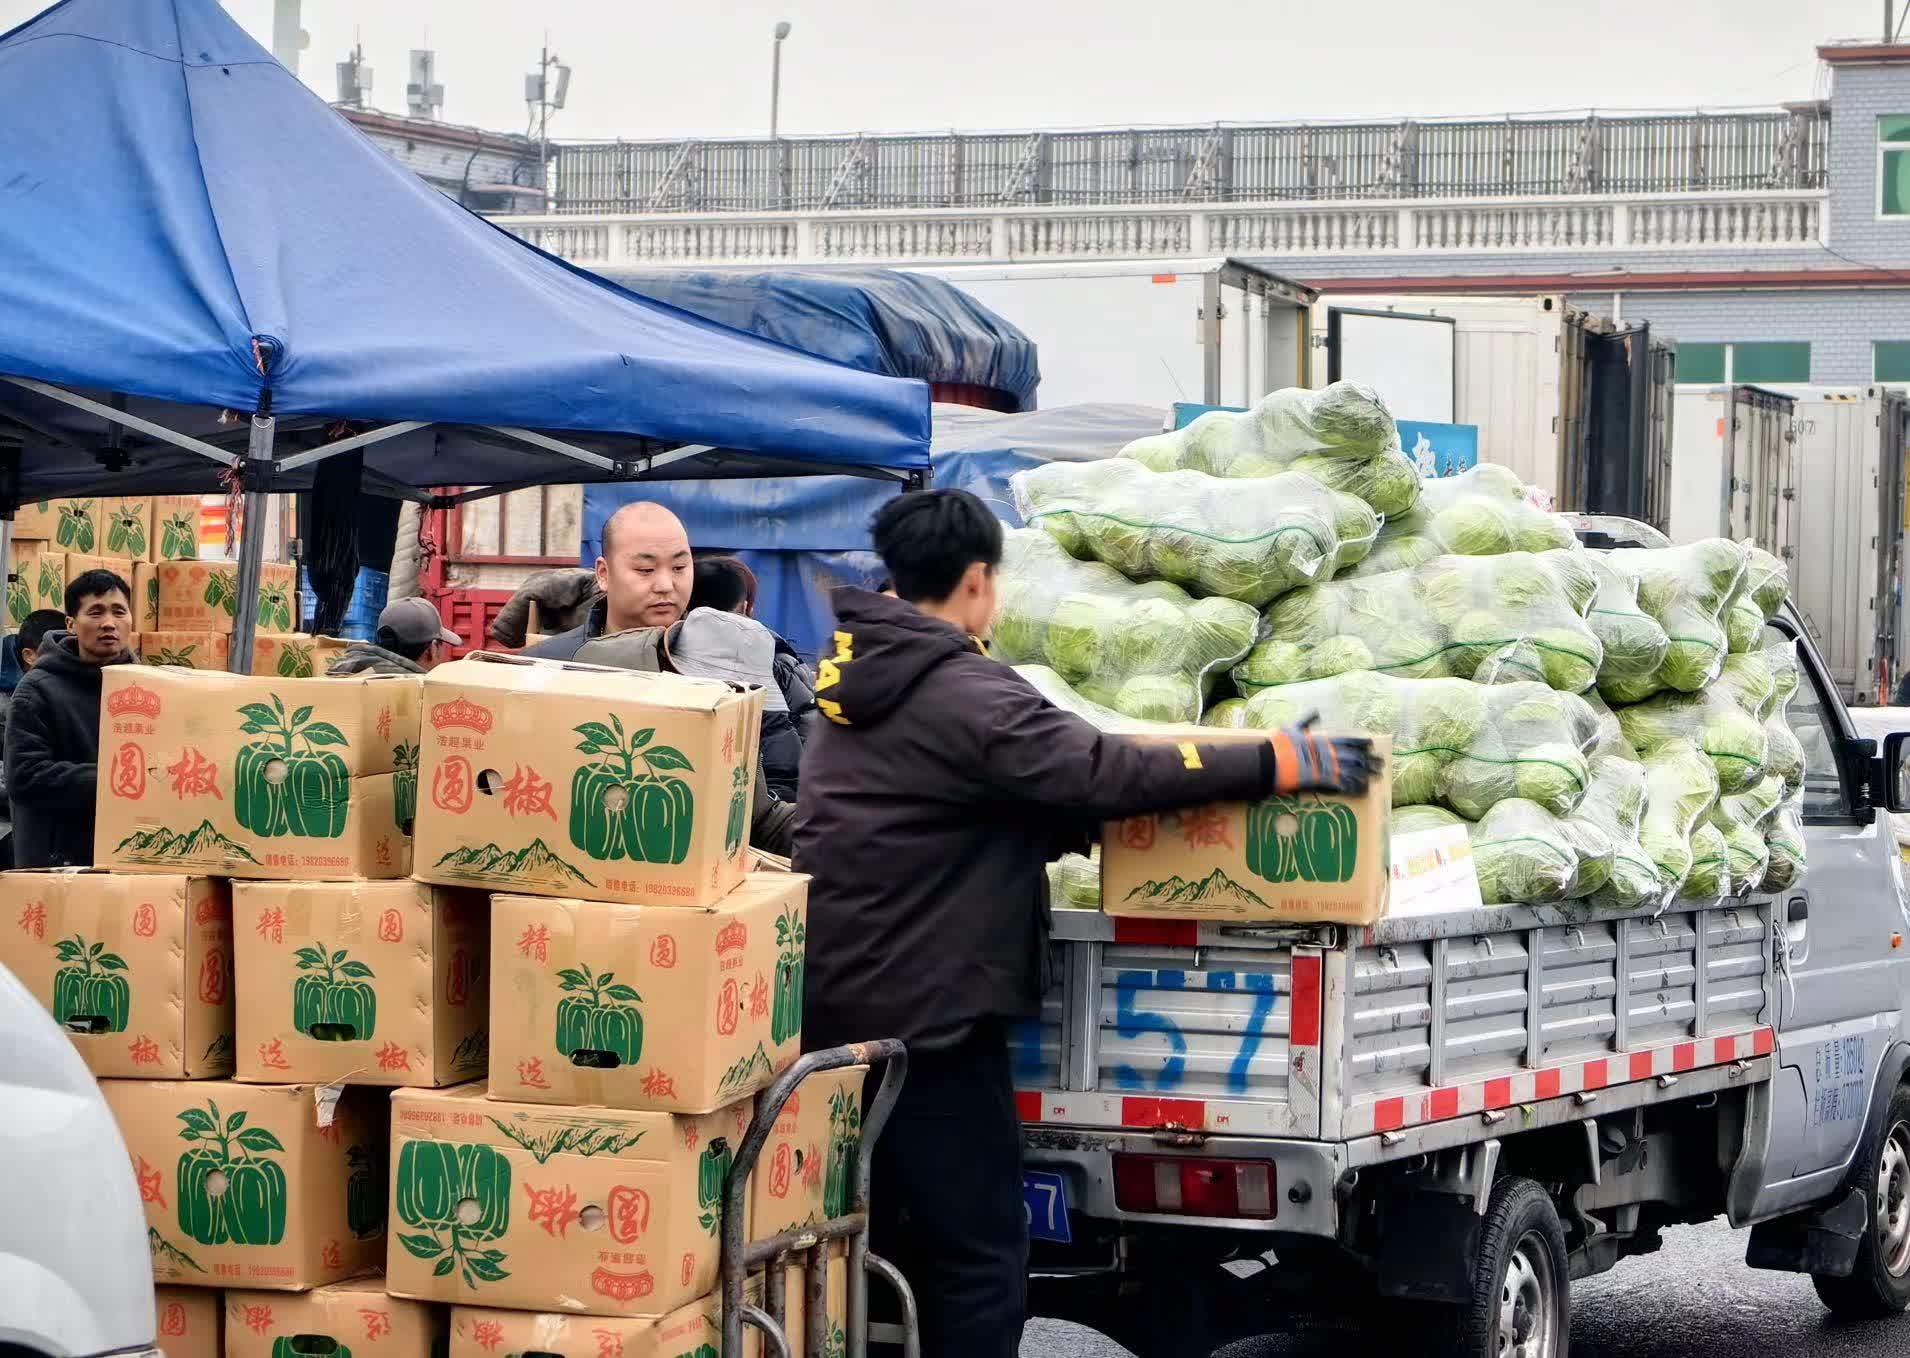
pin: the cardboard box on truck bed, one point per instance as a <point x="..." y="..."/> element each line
<point x="190" y="1321"/>
<point x="693" y="1330"/>
<point x="598" y="1210"/>
<point x="136" y="967"/>
<point x="151" y="527"/>
<point x="288" y="655"/>
<point x="186" y="650"/>
<point x="805" y="1172"/>
<point x="203" y="596"/>
<point x="261" y="777"/>
<point x="342" y="1320"/>
<point x="243" y="1187"/>
<point x="584" y="782"/>
<point x="1308" y="857"/>
<point x="636" y="1006"/>
<point x="41" y="568"/>
<point x="145" y="597"/>
<point x="378" y="983"/>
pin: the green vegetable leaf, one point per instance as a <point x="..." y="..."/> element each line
<point x="323" y="733"/>
<point x="667" y="757"/>
<point x="625" y="993"/>
<point x="112" y="961"/>
<point x="196" y="1121"/>
<point x="596" y="733"/>
<point x="642" y="738"/>
<point x="259" y="712"/>
<point x="233" y="1123"/>
<point x="421" y="1246"/>
<point x="96" y="950"/>
<point x="310" y="957"/>
<point x="354" y="968"/>
<point x="572" y="979"/>
<point x="303" y="715"/>
<point x="487" y="1268"/>
<point x="604" y="979"/>
<point x="259" y="1140"/>
<point x="444" y="1265"/>
<point x="66" y="950"/>
<point x="338" y="957"/>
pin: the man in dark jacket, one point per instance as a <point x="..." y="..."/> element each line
<point x="727" y="585"/>
<point x="934" y="795"/>
<point x="645" y="572"/>
<point x="410" y="639"/>
<point x="52" y="754"/>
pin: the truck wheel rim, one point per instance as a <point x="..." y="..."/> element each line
<point x="1893" y="1201"/>
<point x="1528" y="1311"/>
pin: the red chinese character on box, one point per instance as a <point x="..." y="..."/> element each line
<point x="553" y="1208"/>
<point x="657" y="1085"/>
<point x="172" y="1321"/>
<point x="535" y="942"/>
<point x="145" y="1051"/>
<point x="1137" y="833"/>
<point x="271" y="925"/>
<point x="525" y="794"/>
<point x="33" y="920"/>
<point x="193" y="775"/>
<point x="530" y="1074"/>
<point x="257" y="1319"/>
<point x="663" y="952"/>
<point x="487" y="1334"/>
<point x="328" y="1255"/>
<point x="151" y="1187"/>
<point x="759" y="997"/>
<point x="272" y="1055"/>
<point x="609" y="1343"/>
<point x="377" y="1323"/>
<point x="384" y="723"/>
<point x="451" y="785"/>
<point x="391" y="1056"/>
<point x="213" y="976"/>
<point x="129" y="772"/>
<point x="1205" y="827"/>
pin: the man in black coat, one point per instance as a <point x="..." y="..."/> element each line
<point x="933" y="795"/>
<point x="52" y="755"/>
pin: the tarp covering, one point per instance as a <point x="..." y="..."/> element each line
<point x="186" y="225"/>
<point x="880" y="320"/>
<point x="803" y="536"/>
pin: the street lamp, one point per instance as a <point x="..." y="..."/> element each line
<point x="776" y="75"/>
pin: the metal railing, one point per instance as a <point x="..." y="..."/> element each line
<point x="1406" y="228"/>
<point x="1456" y="158"/>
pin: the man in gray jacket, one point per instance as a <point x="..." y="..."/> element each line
<point x="410" y="640"/>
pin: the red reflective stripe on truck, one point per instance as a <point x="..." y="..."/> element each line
<point x="1545" y="1085"/>
<point x="1441" y="1104"/>
<point x="1684" y="1056"/>
<point x="1028" y="1105"/>
<point x="1641" y="1065"/>
<point x="1305" y="1026"/>
<point x="1158" y="933"/>
<point x="1389" y="1115"/>
<point x="1499" y="1092"/>
<point x="1161" y="1112"/>
<point x="1763" y="1042"/>
<point x="1595" y="1075"/>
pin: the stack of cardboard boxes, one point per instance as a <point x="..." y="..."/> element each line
<point x="289" y="951"/>
<point x="56" y="540"/>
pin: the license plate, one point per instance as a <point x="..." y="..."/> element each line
<point x="1044" y="1197"/>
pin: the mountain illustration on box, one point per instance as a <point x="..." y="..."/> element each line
<point x="532" y="863"/>
<point x="1215" y="889"/>
<point x="203" y="844"/>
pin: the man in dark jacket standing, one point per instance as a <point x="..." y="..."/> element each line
<point x="934" y="794"/>
<point x="410" y="640"/>
<point x="53" y="725"/>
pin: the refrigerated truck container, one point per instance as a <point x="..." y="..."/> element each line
<point x="1734" y="467"/>
<point x="1846" y="576"/>
<point x="1219" y="332"/>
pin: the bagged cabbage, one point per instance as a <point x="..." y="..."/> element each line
<point x="1523" y="853"/>
<point x="1685" y="590"/>
<point x="1342" y="434"/>
<point x="1784" y="837"/>
<point x="1466" y="746"/>
<point x="1074" y="881"/>
<point x="1614" y="808"/>
<point x="1746" y="855"/>
<point x="1229" y="714"/>
<point x="1730" y="737"/>
<point x="1056" y="690"/>
<point x="1481" y="512"/>
<point x="1513" y="617"/>
<point x="1149" y="652"/>
<point x="1709" y="878"/>
<point x="1195" y="530"/>
<point x="1412" y="820"/>
<point x="1633" y="642"/>
<point x="1760" y="593"/>
<point x="1680" y="786"/>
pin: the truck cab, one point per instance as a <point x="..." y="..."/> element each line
<point x="1460" y="1112"/>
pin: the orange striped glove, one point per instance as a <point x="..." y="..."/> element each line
<point x="1304" y="762"/>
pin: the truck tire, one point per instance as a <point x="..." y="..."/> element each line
<point x="1520" y="1306"/>
<point x="1879" y="1284"/>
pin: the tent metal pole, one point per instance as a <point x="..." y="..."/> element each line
<point x="545" y="441"/>
<point x="245" y="619"/>
<point x="120" y="417"/>
<point x="370" y="436"/>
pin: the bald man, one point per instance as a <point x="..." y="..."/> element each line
<point x="645" y="573"/>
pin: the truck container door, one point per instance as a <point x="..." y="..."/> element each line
<point x="1840" y="968"/>
<point x="1408" y="357"/>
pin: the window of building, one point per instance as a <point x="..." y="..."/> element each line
<point x="1746" y="361"/>
<point x="1893" y="165"/>
<point x="1889" y="361"/>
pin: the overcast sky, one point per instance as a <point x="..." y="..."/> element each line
<point x="645" y="69"/>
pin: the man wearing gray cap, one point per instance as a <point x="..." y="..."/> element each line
<point x="410" y="640"/>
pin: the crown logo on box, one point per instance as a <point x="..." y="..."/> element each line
<point x="731" y="938"/>
<point x="133" y="701"/>
<point x="462" y="712"/>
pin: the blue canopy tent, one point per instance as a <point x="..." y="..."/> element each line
<point x="880" y="320"/>
<point x="210" y="275"/>
<point x="802" y="537"/>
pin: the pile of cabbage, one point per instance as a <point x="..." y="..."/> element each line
<point x="1607" y="727"/>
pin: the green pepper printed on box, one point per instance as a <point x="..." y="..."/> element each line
<point x="365" y="1190"/>
<point x="712" y="1177"/>
<point x="433" y="1178"/>
<point x="90" y="985"/>
<point x="126" y="532"/>
<point x="404" y="784"/>
<point x="251" y="1208"/>
<point x="1302" y="839"/>
<point x="179" y="536"/>
<point x="334" y="994"/>
<point x="845" y="1135"/>
<point x="739" y="808"/>
<point x="75" y="530"/>
<point x="598" y="1014"/>
<point x="280" y="788"/>
<point x="618" y="812"/>
<point x="284" y="1347"/>
<point x="785" y="1013"/>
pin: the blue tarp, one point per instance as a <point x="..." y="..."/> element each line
<point x="801" y="537"/>
<point x="186" y="226"/>
<point x="879" y="320"/>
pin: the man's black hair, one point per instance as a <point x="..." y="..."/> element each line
<point x="387" y="640"/>
<point x="718" y="583"/>
<point x="91" y="584"/>
<point x="928" y="538"/>
<point x="38" y="623"/>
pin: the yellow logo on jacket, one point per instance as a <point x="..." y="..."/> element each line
<point x="829" y="674"/>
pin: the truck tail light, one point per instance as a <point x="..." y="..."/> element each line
<point x="1190" y="1187"/>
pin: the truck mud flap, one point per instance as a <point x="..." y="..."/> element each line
<point x="1823" y="1240"/>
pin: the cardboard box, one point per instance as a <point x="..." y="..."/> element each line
<point x="126" y="526"/>
<point x="145" y="596"/>
<point x="585" y="782"/>
<point x="22" y="557"/>
<point x="290" y="655"/>
<point x="190" y="1322"/>
<point x="175" y="527"/>
<point x="186" y="650"/>
<point x="1309" y="857"/>
<point x="137" y="968"/>
<point x="78" y="565"/>
<point x="597" y="1210"/>
<point x="303" y="1204"/>
<point x="41" y="567"/>
<point x="694" y="1330"/>
<point x="805" y="1172"/>
<point x="345" y="1320"/>
<point x="73" y="526"/>
<point x="240" y="776"/>
<point x="375" y="983"/>
<point x="634" y="1006"/>
<point x="835" y="1297"/>
<point x="203" y="596"/>
<point x="36" y="519"/>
